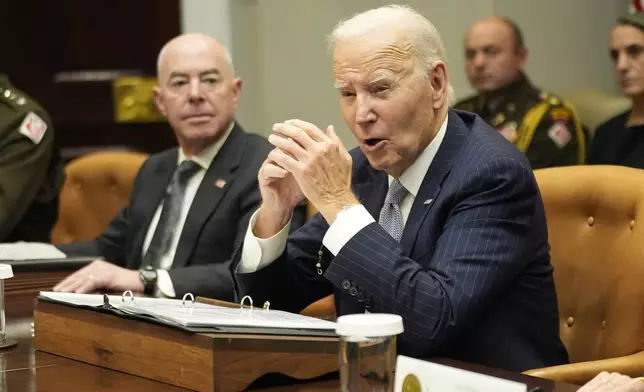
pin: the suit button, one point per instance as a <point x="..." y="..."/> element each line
<point x="570" y="321"/>
<point x="353" y="291"/>
<point x="591" y="221"/>
<point x="346" y="284"/>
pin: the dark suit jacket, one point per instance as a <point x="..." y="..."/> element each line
<point x="471" y="276"/>
<point x="215" y="225"/>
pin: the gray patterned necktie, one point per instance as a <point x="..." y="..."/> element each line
<point x="390" y="216"/>
<point x="172" y="202"/>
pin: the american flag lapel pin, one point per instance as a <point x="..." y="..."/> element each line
<point x="220" y="183"/>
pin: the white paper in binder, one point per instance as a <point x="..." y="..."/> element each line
<point x="190" y="314"/>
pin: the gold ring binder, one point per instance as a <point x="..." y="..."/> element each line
<point x="192" y="300"/>
<point x="127" y="293"/>
<point x="267" y="305"/>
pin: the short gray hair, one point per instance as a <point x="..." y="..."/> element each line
<point x="427" y="46"/>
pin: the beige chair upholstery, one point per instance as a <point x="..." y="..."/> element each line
<point x="595" y="220"/>
<point x="594" y="106"/>
<point x="97" y="186"/>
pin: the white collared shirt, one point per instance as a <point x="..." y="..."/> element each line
<point x="257" y="253"/>
<point x="204" y="158"/>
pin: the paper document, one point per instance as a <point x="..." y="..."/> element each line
<point x="29" y="251"/>
<point x="196" y="314"/>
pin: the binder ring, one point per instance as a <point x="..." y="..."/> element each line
<point x="192" y="300"/>
<point x="267" y="305"/>
<point x="127" y="293"/>
<point x="249" y="299"/>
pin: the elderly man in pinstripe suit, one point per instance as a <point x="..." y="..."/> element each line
<point x="435" y="217"/>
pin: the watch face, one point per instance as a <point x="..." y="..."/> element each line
<point x="149" y="275"/>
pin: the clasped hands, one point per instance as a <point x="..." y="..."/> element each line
<point x="306" y="163"/>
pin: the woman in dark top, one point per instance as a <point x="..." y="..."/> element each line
<point x="616" y="143"/>
<point x="620" y="140"/>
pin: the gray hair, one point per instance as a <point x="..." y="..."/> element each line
<point x="427" y="46"/>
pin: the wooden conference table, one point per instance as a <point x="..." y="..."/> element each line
<point x="22" y="368"/>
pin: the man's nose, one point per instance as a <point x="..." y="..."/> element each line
<point x="364" y="109"/>
<point x="479" y="60"/>
<point x="195" y="92"/>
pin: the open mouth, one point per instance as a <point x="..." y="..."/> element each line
<point x="374" y="142"/>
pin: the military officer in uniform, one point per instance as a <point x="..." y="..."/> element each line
<point x="541" y="125"/>
<point x="31" y="173"/>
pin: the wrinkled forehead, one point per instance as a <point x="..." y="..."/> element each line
<point x="362" y="58"/>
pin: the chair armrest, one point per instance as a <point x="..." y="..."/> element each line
<point x="323" y="308"/>
<point x="582" y="372"/>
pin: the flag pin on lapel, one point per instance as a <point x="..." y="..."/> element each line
<point x="428" y="201"/>
<point x="220" y="183"/>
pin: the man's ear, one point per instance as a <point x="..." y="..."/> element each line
<point x="440" y="85"/>
<point x="159" y="99"/>
<point x="237" y="86"/>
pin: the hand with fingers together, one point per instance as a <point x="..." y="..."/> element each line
<point x="101" y="275"/>
<point x="613" y="382"/>
<point x="317" y="161"/>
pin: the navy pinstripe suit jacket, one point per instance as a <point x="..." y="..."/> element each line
<point x="471" y="276"/>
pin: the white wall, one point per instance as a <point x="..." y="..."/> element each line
<point x="279" y="49"/>
<point x="207" y="16"/>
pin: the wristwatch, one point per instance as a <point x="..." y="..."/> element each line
<point x="149" y="277"/>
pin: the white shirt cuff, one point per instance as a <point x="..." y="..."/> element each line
<point x="346" y="224"/>
<point x="164" y="284"/>
<point x="257" y="253"/>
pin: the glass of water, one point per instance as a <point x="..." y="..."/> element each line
<point x="368" y="351"/>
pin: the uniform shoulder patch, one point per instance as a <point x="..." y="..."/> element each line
<point x="33" y="127"/>
<point x="560" y="134"/>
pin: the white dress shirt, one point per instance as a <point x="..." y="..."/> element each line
<point x="257" y="253"/>
<point x="204" y="158"/>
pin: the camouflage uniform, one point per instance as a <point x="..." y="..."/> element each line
<point x="31" y="173"/>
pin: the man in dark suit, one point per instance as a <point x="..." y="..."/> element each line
<point x="436" y="217"/>
<point x="190" y="206"/>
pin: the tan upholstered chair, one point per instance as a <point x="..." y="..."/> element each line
<point x="596" y="231"/>
<point x="594" y="107"/>
<point x="96" y="188"/>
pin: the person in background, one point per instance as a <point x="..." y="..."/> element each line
<point x="190" y="205"/>
<point x="31" y="172"/>
<point x="620" y="140"/>
<point x="543" y="126"/>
